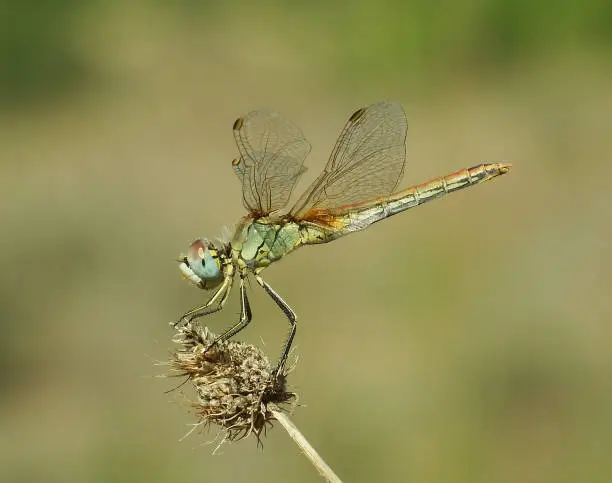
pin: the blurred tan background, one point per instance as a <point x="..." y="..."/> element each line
<point x="465" y="341"/>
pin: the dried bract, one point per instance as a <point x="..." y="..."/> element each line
<point x="235" y="384"/>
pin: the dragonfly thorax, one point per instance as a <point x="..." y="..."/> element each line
<point x="258" y="243"/>
<point x="203" y="264"/>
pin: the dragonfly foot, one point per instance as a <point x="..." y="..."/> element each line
<point x="181" y="321"/>
<point x="279" y="372"/>
<point x="184" y="320"/>
<point x="214" y="343"/>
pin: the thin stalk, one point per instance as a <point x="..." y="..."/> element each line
<point x="324" y="470"/>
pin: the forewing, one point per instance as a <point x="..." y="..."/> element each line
<point x="272" y="153"/>
<point x="367" y="161"/>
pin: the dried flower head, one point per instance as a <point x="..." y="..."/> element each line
<point x="237" y="388"/>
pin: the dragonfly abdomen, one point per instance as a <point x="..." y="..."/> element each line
<point x="349" y="218"/>
<point x="419" y="194"/>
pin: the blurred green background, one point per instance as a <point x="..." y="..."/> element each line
<point x="466" y="341"/>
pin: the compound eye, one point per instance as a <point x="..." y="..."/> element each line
<point x="204" y="262"/>
<point x="196" y="254"/>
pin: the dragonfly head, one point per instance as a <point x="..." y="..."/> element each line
<point x="202" y="264"/>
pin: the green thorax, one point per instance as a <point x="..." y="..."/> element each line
<point x="259" y="242"/>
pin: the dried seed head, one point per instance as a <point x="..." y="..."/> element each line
<point x="235" y="384"/>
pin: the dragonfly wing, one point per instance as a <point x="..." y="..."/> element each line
<point x="272" y="153"/>
<point x="367" y="161"/>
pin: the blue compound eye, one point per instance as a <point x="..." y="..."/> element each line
<point x="204" y="261"/>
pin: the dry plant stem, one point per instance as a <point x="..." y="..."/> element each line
<point x="314" y="457"/>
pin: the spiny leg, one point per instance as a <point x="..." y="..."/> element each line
<point x="292" y="321"/>
<point x="219" y="297"/>
<point x="245" y="317"/>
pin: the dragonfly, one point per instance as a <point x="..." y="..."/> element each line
<point x="356" y="189"/>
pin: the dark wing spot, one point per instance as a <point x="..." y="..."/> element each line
<point x="357" y="114"/>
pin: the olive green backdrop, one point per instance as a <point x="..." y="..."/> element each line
<point x="465" y="341"/>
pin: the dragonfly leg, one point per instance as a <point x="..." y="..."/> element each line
<point x="292" y="321"/>
<point x="214" y="304"/>
<point x="245" y="317"/>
